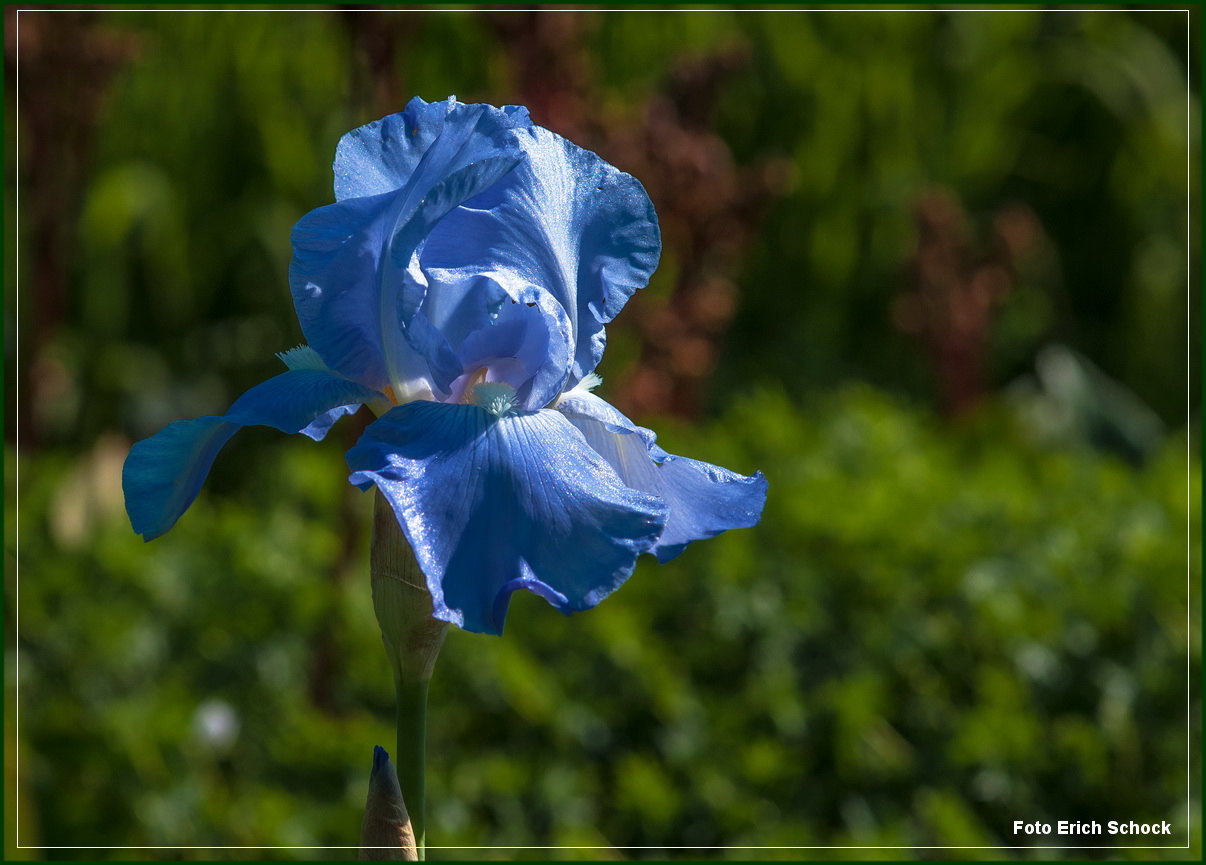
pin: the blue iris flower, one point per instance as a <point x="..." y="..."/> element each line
<point x="459" y="286"/>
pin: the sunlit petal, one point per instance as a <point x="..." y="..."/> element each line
<point x="563" y="222"/>
<point x="704" y="499"/>
<point x="493" y="504"/>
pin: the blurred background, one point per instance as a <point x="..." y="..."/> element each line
<point x="926" y="269"/>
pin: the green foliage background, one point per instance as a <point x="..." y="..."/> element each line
<point x="938" y="628"/>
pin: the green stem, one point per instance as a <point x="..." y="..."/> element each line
<point x="412" y="754"/>
<point x="413" y="638"/>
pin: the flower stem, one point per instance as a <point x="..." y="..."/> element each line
<point x="413" y="639"/>
<point x="412" y="754"/>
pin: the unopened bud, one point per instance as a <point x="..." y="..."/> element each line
<point x="385" y="833"/>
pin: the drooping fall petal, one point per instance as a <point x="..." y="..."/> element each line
<point x="163" y="474"/>
<point x="704" y="499"/>
<point x="493" y="504"/>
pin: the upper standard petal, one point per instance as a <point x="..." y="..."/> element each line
<point x="395" y="179"/>
<point x="493" y="504"/>
<point x="446" y="209"/>
<point x="564" y="222"/>
<point x="354" y="298"/>
<point x="384" y="155"/>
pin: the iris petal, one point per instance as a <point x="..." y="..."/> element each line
<point x="564" y="221"/>
<point x="333" y="278"/>
<point x="322" y="424"/>
<point x="354" y="302"/>
<point x="163" y="474"/>
<point x="405" y="286"/>
<point x="492" y="504"/>
<point x="526" y="346"/>
<point x="445" y="209"/>
<point x="382" y="156"/>
<point x="704" y="499"/>
<point x="396" y="178"/>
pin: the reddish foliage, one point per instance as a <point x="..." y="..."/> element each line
<point x="956" y="287"/>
